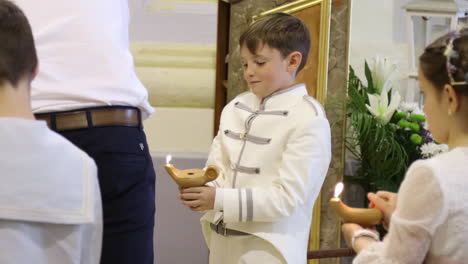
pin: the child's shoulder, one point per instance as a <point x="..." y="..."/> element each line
<point x="449" y="163"/>
<point x="309" y="113"/>
<point x="451" y="159"/>
<point x="314" y="106"/>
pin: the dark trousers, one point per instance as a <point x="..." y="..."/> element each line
<point x="127" y="181"/>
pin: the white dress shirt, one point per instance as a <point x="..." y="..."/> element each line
<point x="50" y="204"/>
<point x="84" y="56"/>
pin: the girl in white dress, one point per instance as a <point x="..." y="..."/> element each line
<point x="428" y="219"/>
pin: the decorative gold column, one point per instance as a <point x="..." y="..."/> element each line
<point x="330" y="229"/>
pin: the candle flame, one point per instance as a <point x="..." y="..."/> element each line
<point x="338" y="189"/>
<point x="168" y="159"/>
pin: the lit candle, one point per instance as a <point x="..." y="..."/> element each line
<point x="171" y="170"/>
<point x="190" y="177"/>
<point x="361" y="216"/>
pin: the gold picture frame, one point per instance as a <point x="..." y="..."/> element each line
<point x="316" y="15"/>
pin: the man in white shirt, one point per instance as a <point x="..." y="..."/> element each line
<point x="87" y="91"/>
<point x="50" y="204"/>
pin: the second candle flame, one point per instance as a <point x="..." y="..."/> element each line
<point x="168" y="159"/>
<point x="338" y="189"/>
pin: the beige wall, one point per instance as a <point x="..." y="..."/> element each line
<point x="180" y="129"/>
<point x="180" y="81"/>
<point x="370" y="39"/>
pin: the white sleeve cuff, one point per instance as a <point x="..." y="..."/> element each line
<point x="218" y="203"/>
<point x="361" y="233"/>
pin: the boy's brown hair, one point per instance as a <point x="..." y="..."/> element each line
<point x="18" y="58"/>
<point x="280" y="31"/>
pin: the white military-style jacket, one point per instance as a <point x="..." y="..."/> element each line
<point x="273" y="155"/>
<point x="50" y="204"/>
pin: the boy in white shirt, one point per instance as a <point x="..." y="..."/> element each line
<point x="273" y="150"/>
<point x="50" y="206"/>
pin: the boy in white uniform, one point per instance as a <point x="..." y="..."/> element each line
<point x="50" y="206"/>
<point x="273" y="150"/>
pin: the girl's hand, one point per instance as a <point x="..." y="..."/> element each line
<point x="385" y="202"/>
<point x="198" y="198"/>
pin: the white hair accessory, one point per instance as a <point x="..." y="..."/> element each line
<point x="451" y="53"/>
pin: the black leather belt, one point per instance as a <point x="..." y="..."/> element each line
<point x="92" y="117"/>
<point x="222" y="230"/>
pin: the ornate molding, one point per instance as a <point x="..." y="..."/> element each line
<point x="232" y="1"/>
<point x="174" y="55"/>
<point x="176" y="75"/>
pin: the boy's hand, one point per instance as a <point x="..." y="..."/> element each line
<point x="385" y="202"/>
<point x="198" y="198"/>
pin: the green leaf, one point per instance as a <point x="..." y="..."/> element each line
<point x="370" y="84"/>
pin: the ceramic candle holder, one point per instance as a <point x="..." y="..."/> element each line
<point x="192" y="177"/>
<point x="361" y="216"/>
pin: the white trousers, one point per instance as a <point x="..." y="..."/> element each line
<point x="242" y="250"/>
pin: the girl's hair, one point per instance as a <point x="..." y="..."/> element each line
<point x="445" y="61"/>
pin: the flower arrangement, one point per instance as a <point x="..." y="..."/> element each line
<point x="386" y="135"/>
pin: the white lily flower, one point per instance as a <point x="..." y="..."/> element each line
<point x="384" y="72"/>
<point x="379" y="106"/>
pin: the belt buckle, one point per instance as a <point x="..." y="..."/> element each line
<point x="242" y="135"/>
<point x="221" y="228"/>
